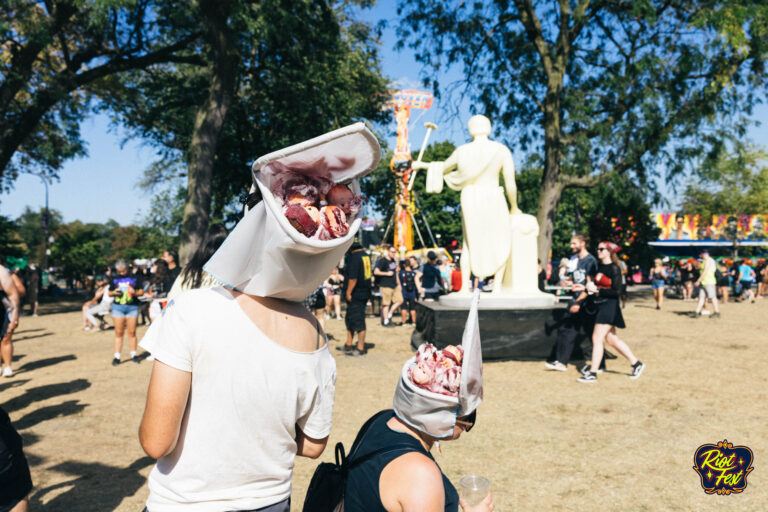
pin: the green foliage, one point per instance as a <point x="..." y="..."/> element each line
<point x="442" y="210"/>
<point x="306" y="67"/>
<point x="51" y="56"/>
<point x="29" y="225"/>
<point x="616" y="211"/>
<point x="11" y="244"/>
<point x="730" y="183"/>
<point x="598" y="88"/>
<point x="78" y="249"/>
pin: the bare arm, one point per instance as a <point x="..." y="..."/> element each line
<point x="309" y="447"/>
<point x="6" y="281"/>
<point x="397" y="489"/>
<point x="350" y="287"/>
<point x="166" y="402"/>
<point x="508" y="171"/>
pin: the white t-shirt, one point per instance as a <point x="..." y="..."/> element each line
<point x="237" y="445"/>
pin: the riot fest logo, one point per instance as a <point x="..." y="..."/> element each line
<point x="722" y="467"/>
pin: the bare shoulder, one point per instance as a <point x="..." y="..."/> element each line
<point x="396" y="484"/>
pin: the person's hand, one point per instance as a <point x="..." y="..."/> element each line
<point x="349" y="297"/>
<point x="591" y="287"/>
<point x="484" y="506"/>
<point x="574" y="309"/>
<point x="578" y="287"/>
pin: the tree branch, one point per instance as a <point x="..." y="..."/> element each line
<point x="532" y="26"/>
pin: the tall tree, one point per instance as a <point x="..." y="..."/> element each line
<point x="52" y="52"/>
<point x="731" y="183"/>
<point x="598" y="87"/>
<point x="304" y="68"/>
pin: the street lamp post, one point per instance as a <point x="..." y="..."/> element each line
<point x="45" y="217"/>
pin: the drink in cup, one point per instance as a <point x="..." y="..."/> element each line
<point x="474" y="489"/>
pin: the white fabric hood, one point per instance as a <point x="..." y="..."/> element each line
<point x="264" y="255"/>
<point x="433" y="413"/>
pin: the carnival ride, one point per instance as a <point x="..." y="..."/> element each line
<point x="403" y="218"/>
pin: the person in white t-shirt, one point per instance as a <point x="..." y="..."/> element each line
<point x="240" y="385"/>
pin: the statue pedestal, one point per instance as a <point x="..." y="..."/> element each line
<point x="500" y="300"/>
<point x="506" y="332"/>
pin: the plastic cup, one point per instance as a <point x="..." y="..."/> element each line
<point x="474" y="489"/>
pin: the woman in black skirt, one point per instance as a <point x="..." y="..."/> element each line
<point x="606" y="289"/>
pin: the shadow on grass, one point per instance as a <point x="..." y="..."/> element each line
<point x="94" y="486"/>
<point x="12" y="384"/>
<point x="50" y="412"/>
<point x="41" y="393"/>
<point x="23" y="331"/>
<point x="22" y="338"/>
<point x="42" y="363"/>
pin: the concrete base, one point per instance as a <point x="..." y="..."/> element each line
<point x="525" y="333"/>
<point x="500" y="300"/>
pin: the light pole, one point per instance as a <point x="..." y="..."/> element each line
<point x="45" y="217"/>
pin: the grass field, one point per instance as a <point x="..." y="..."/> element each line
<point x="545" y="441"/>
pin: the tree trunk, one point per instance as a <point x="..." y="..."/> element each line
<point x="551" y="186"/>
<point x="208" y="123"/>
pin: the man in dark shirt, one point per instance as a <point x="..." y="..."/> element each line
<point x="580" y="314"/>
<point x="386" y="276"/>
<point x="357" y="272"/>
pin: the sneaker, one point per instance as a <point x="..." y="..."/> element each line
<point x="115" y="361"/>
<point x="588" y="377"/>
<point x="658" y="307"/>
<point x="587" y="367"/>
<point x="136" y="359"/>
<point x="388" y="325"/>
<point x="637" y="369"/>
<point x="356" y="352"/>
<point x="556" y="366"/>
<point x="7" y="372"/>
<point x="715" y="315"/>
<point x="346" y="348"/>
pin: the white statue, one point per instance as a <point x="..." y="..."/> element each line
<point x="499" y="240"/>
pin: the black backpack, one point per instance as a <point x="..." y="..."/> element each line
<point x="329" y="482"/>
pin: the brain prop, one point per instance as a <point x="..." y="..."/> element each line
<point x="313" y="204"/>
<point x="438" y="371"/>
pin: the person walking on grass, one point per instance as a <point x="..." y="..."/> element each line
<point x="126" y="290"/>
<point x="747" y="278"/>
<point x="606" y="288"/>
<point x="658" y="281"/>
<point x="580" y="314"/>
<point x="707" y="284"/>
<point x="9" y="318"/>
<point x="386" y="277"/>
<point x="357" y="292"/>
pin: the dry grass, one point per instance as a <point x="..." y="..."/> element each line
<point x="545" y="441"/>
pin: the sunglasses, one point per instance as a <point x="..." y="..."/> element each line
<point x="467" y="421"/>
<point x="602" y="249"/>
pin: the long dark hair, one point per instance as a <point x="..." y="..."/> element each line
<point x="161" y="272"/>
<point x="193" y="272"/>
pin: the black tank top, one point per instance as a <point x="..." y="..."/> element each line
<point x="362" y="493"/>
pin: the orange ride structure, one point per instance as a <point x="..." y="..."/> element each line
<point x="403" y="217"/>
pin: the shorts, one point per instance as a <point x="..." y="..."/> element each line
<point x="4" y="323"/>
<point x="657" y="284"/>
<point x="125" y="311"/>
<point x="398" y="296"/>
<point x="745" y="286"/>
<point x="355" y="319"/>
<point x="709" y="290"/>
<point x="409" y="303"/>
<point x="387" y="294"/>
<point x="15" y="480"/>
<point x="432" y="295"/>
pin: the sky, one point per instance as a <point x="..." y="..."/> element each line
<point x="102" y="186"/>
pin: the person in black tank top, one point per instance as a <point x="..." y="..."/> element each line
<point x="363" y="481"/>
<point x="385" y="482"/>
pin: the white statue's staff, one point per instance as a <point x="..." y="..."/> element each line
<point x="430" y="127"/>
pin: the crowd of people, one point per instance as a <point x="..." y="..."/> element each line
<point x="705" y="279"/>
